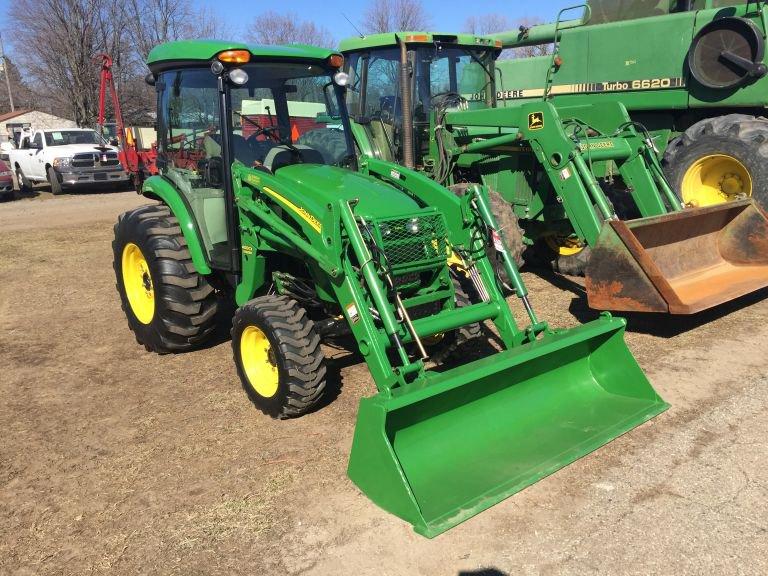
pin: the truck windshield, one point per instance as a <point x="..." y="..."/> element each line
<point x="66" y="137"/>
<point x="293" y="107"/>
<point x="445" y="70"/>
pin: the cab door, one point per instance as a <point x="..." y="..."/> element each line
<point x="36" y="168"/>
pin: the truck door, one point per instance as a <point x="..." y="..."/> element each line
<point x="36" y="169"/>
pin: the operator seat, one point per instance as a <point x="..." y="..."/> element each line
<point x="283" y="155"/>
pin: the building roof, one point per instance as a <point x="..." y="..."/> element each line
<point x="190" y="50"/>
<point x="11" y="115"/>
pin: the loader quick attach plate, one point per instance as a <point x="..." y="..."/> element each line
<point x="682" y="262"/>
<point x="441" y="451"/>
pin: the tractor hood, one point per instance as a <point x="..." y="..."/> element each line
<point x="319" y="185"/>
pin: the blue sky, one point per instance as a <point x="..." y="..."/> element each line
<point x="447" y="15"/>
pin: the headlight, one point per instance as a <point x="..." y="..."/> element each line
<point x="385" y="230"/>
<point x="62" y="162"/>
<point x="413" y="226"/>
<point x="341" y="78"/>
<point x="6" y="173"/>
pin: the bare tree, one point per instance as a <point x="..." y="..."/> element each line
<point x="493" y="23"/>
<point x="59" y="40"/>
<point x="274" y="28"/>
<point x="395" y="16"/>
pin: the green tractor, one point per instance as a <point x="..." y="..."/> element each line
<point x="262" y="201"/>
<point x="693" y="75"/>
<point x="578" y="181"/>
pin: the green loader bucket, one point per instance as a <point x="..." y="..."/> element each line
<point x="435" y="454"/>
<point x="680" y="263"/>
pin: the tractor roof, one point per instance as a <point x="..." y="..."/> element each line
<point x="187" y="50"/>
<point x="392" y="39"/>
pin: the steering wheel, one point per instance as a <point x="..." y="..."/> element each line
<point x="268" y="131"/>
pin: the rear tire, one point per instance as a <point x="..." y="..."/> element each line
<point x="53" y="180"/>
<point x="508" y="223"/>
<point x="278" y="356"/>
<point x="739" y="137"/>
<point x="24" y="185"/>
<point x="169" y="306"/>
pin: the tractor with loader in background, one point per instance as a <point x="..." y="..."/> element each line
<point x="694" y="75"/>
<point x="581" y="180"/>
<point x="314" y="243"/>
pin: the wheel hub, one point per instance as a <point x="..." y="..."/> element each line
<point x="715" y="179"/>
<point x="137" y="282"/>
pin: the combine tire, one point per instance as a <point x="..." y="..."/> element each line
<point x="720" y="159"/>
<point x="278" y="356"/>
<point x="53" y="179"/>
<point x="170" y="307"/>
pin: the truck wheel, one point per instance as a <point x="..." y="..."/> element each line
<point x="278" y="356"/>
<point x="170" y="307"/>
<point x="720" y="159"/>
<point x="24" y="185"/>
<point x="53" y="179"/>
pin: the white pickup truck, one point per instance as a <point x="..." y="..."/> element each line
<point x="65" y="158"/>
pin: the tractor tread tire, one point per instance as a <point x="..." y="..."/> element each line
<point x="575" y="265"/>
<point x="301" y="361"/>
<point x="449" y="350"/>
<point x="742" y="136"/>
<point x="185" y="303"/>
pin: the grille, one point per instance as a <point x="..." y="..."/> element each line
<point x="413" y="244"/>
<point x="94" y="159"/>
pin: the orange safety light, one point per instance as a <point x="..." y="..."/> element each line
<point x="235" y="56"/>
<point x="336" y="60"/>
<point x="499" y="44"/>
<point x="417" y="38"/>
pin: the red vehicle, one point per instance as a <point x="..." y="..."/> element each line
<point x="6" y="180"/>
<point x="137" y="158"/>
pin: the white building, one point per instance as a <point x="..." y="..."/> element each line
<point x="13" y="122"/>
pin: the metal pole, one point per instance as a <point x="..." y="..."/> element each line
<point x="7" y="79"/>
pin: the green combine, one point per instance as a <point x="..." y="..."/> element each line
<point x="578" y="181"/>
<point x="261" y="200"/>
<point x="694" y="76"/>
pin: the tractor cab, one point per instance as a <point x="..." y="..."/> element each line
<point x="282" y="108"/>
<point x="444" y="72"/>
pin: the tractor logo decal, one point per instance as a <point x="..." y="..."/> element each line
<point x="592" y="88"/>
<point x="306" y="216"/>
<point x="535" y="121"/>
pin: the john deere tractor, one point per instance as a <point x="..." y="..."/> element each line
<point x="693" y="72"/>
<point x="580" y="179"/>
<point x="261" y="200"/>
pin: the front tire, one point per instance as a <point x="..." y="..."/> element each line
<point x="24" y="185"/>
<point x="169" y="306"/>
<point x="278" y="356"/>
<point x="53" y="179"/>
<point x="720" y="159"/>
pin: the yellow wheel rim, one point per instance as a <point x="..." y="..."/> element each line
<point x="137" y="282"/>
<point x="258" y="361"/>
<point x="715" y="179"/>
<point x="564" y="245"/>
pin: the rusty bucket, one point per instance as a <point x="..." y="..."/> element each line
<point x="680" y="263"/>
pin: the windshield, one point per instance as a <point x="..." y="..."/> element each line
<point x="446" y="70"/>
<point x="289" y="110"/>
<point x="66" y="137"/>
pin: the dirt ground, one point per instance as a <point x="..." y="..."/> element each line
<point x="115" y="460"/>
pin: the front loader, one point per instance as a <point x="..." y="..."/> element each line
<point x="313" y="247"/>
<point x="582" y="180"/>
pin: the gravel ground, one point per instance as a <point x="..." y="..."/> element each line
<point x="118" y="461"/>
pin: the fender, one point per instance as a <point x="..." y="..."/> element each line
<point x="159" y="188"/>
